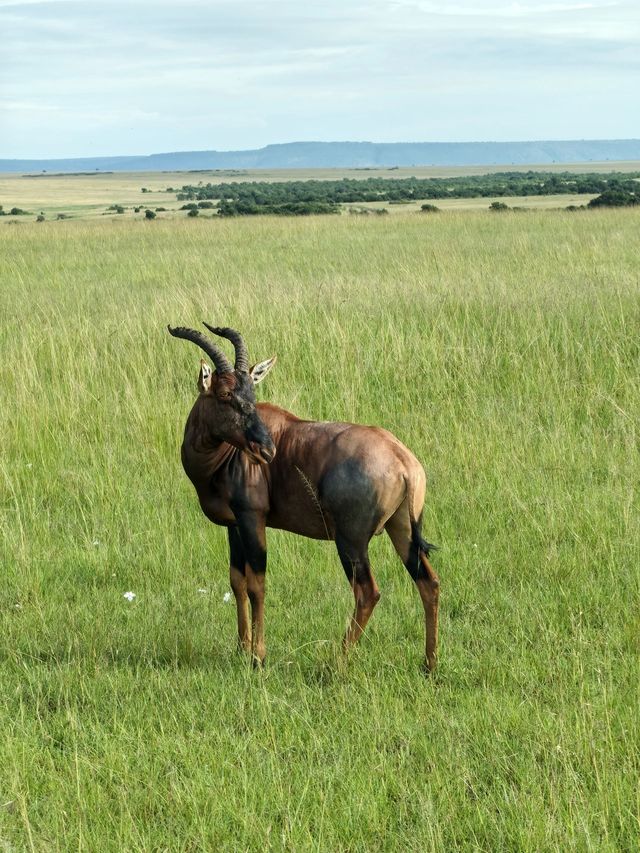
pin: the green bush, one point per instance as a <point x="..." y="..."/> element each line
<point x="149" y="214"/>
<point x="616" y="197"/>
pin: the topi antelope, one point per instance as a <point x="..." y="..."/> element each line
<point x="255" y="466"/>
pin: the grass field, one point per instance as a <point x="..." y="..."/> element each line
<point x="504" y="350"/>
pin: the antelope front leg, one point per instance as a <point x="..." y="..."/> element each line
<point x="255" y="587"/>
<point x="251" y="528"/>
<point x="239" y="587"/>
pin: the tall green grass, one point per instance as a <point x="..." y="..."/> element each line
<point x="504" y="350"/>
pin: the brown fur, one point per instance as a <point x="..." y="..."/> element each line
<point x="287" y="494"/>
<point x="258" y="466"/>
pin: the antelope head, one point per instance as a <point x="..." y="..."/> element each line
<point x="227" y="399"/>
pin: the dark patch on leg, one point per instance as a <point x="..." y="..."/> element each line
<point x="238" y="582"/>
<point x="236" y="551"/>
<point x="355" y="561"/>
<point x="412" y="563"/>
<point x="251" y="532"/>
<point x="356" y="567"/>
<point x="251" y="529"/>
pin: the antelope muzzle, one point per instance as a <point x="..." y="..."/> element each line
<point x="260" y="447"/>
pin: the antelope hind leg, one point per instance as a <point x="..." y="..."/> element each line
<point x="355" y="562"/>
<point x="407" y="541"/>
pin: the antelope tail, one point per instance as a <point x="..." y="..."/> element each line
<point x="424" y="569"/>
<point x="421" y="543"/>
<point x="426" y="547"/>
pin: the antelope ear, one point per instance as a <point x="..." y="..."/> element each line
<point x="260" y="370"/>
<point x="205" y="377"/>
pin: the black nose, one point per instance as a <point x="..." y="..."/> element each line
<point x="258" y="432"/>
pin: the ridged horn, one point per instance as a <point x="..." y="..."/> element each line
<point x="222" y="363"/>
<point x="242" y="354"/>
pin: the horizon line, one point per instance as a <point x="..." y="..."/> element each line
<point x="317" y="142"/>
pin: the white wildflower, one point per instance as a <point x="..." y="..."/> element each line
<point x="29" y="464"/>
<point x="202" y="591"/>
<point x="129" y="596"/>
<point x="95" y="543"/>
<point x="18" y="606"/>
<point x="226" y="597"/>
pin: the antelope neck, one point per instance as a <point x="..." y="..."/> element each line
<point x="219" y="455"/>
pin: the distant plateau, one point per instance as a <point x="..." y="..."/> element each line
<point x="363" y="155"/>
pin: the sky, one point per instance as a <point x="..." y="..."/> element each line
<point x="106" y="77"/>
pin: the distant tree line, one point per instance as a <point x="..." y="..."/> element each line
<point x="313" y="196"/>
<point x="260" y="206"/>
<point x="15" y="211"/>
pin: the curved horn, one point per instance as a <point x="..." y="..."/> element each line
<point x="222" y="363"/>
<point x="242" y="354"/>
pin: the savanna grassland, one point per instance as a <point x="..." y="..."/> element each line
<point x="88" y="196"/>
<point x="505" y="351"/>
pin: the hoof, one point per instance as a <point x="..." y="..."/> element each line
<point x="429" y="668"/>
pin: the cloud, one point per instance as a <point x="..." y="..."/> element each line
<point x="223" y="73"/>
